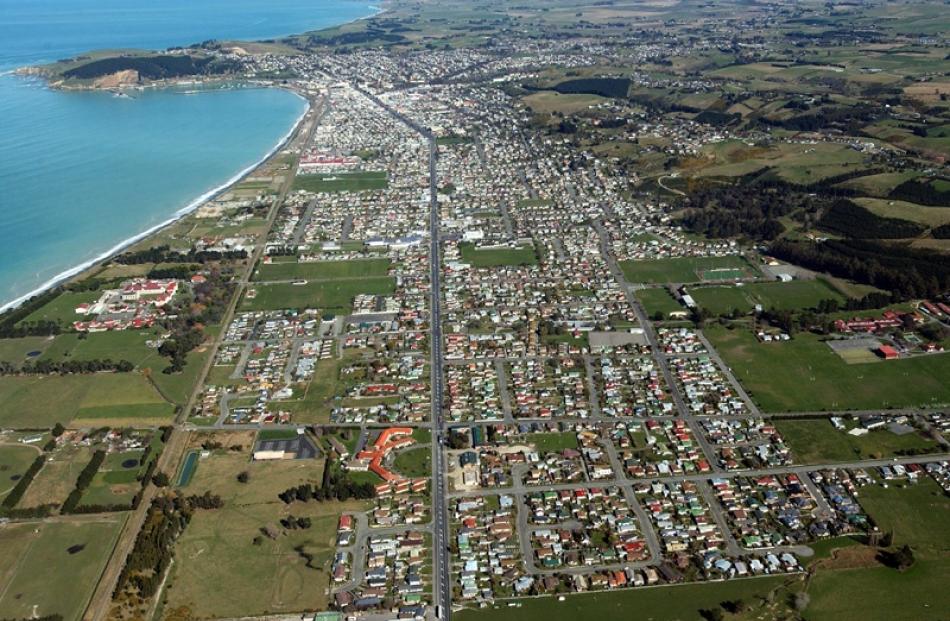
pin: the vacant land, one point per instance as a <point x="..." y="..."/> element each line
<point x="687" y="269"/>
<point x="804" y="374"/>
<point x="52" y="568"/>
<point x="342" y="182"/>
<point x="546" y="102"/>
<point x="816" y="441"/>
<point x="320" y="270"/>
<point x="19" y="350"/>
<point x="219" y="569"/>
<point x="797" y="294"/>
<point x="332" y="297"/>
<point x="98" y="399"/>
<point x="496" y="257"/>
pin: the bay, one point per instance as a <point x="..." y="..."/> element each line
<point x="81" y="172"/>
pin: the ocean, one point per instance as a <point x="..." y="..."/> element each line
<point x="83" y="172"/>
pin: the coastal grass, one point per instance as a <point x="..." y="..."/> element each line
<point x="331" y="297"/>
<point x="497" y="257"/>
<point x="816" y="441"/>
<point x="918" y="515"/>
<point x="342" y="182"/>
<point x="658" y="300"/>
<point x="804" y="374"/>
<point x="322" y="270"/>
<point x="39" y="402"/>
<point x="38" y="574"/>
<point x="14" y="461"/>
<point x="62" y="308"/>
<point x="687" y="269"/>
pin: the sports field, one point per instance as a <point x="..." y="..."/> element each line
<point x="331" y="297"/>
<point x="319" y="270"/>
<point x="687" y="269"/>
<point x="342" y="182"/>
<point x="658" y="300"/>
<point x="723" y="299"/>
<point x="496" y="257"/>
<point x="98" y="399"/>
<point x="804" y="374"/>
<point x="52" y="568"/>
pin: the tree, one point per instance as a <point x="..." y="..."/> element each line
<point x="58" y="430"/>
<point x="160" y="479"/>
<point x="243" y="477"/>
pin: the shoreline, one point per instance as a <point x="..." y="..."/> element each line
<point x="178" y="215"/>
<point x="70" y="273"/>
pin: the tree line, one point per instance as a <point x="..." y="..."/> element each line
<point x="164" y="254"/>
<point x="65" y="367"/>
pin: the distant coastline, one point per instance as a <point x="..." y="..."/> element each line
<point x="35" y="72"/>
<point x="72" y="272"/>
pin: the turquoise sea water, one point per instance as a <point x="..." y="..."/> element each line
<point x="81" y="172"/>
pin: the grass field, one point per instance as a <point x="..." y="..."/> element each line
<point x="292" y="270"/>
<point x="342" y="182"/>
<point x="14" y="460"/>
<point x="38" y="575"/>
<point x="334" y="297"/>
<point x="816" y="441"/>
<point x="804" y="374"/>
<point x="928" y="216"/>
<point x="679" y="603"/>
<point x="918" y="515"/>
<point x="687" y="269"/>
<point x="58" y="477"/>
<point x="797" y="294"/>
<point x="495" y="257"/>
<point x="552" y="101"/>
<point x="16" y="350"/>
<point x="658" y="301"/>
<point x="62" y="308"/>
<point x="220" y="572"/>
<point x="415" y="462"/>
<point x="97" y="399"/>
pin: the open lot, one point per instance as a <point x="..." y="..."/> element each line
<point x="99" y="399"/>
<point x="58" y="477"/>
<point x="804" y="374"/>
<point x="815" y="441"/>
<point x="687" y="269"/>
<point x="414" y="462"/>
<point x="38" y="573"/>
<point x="331" y="297"/>
<point x="317" y="270"/>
